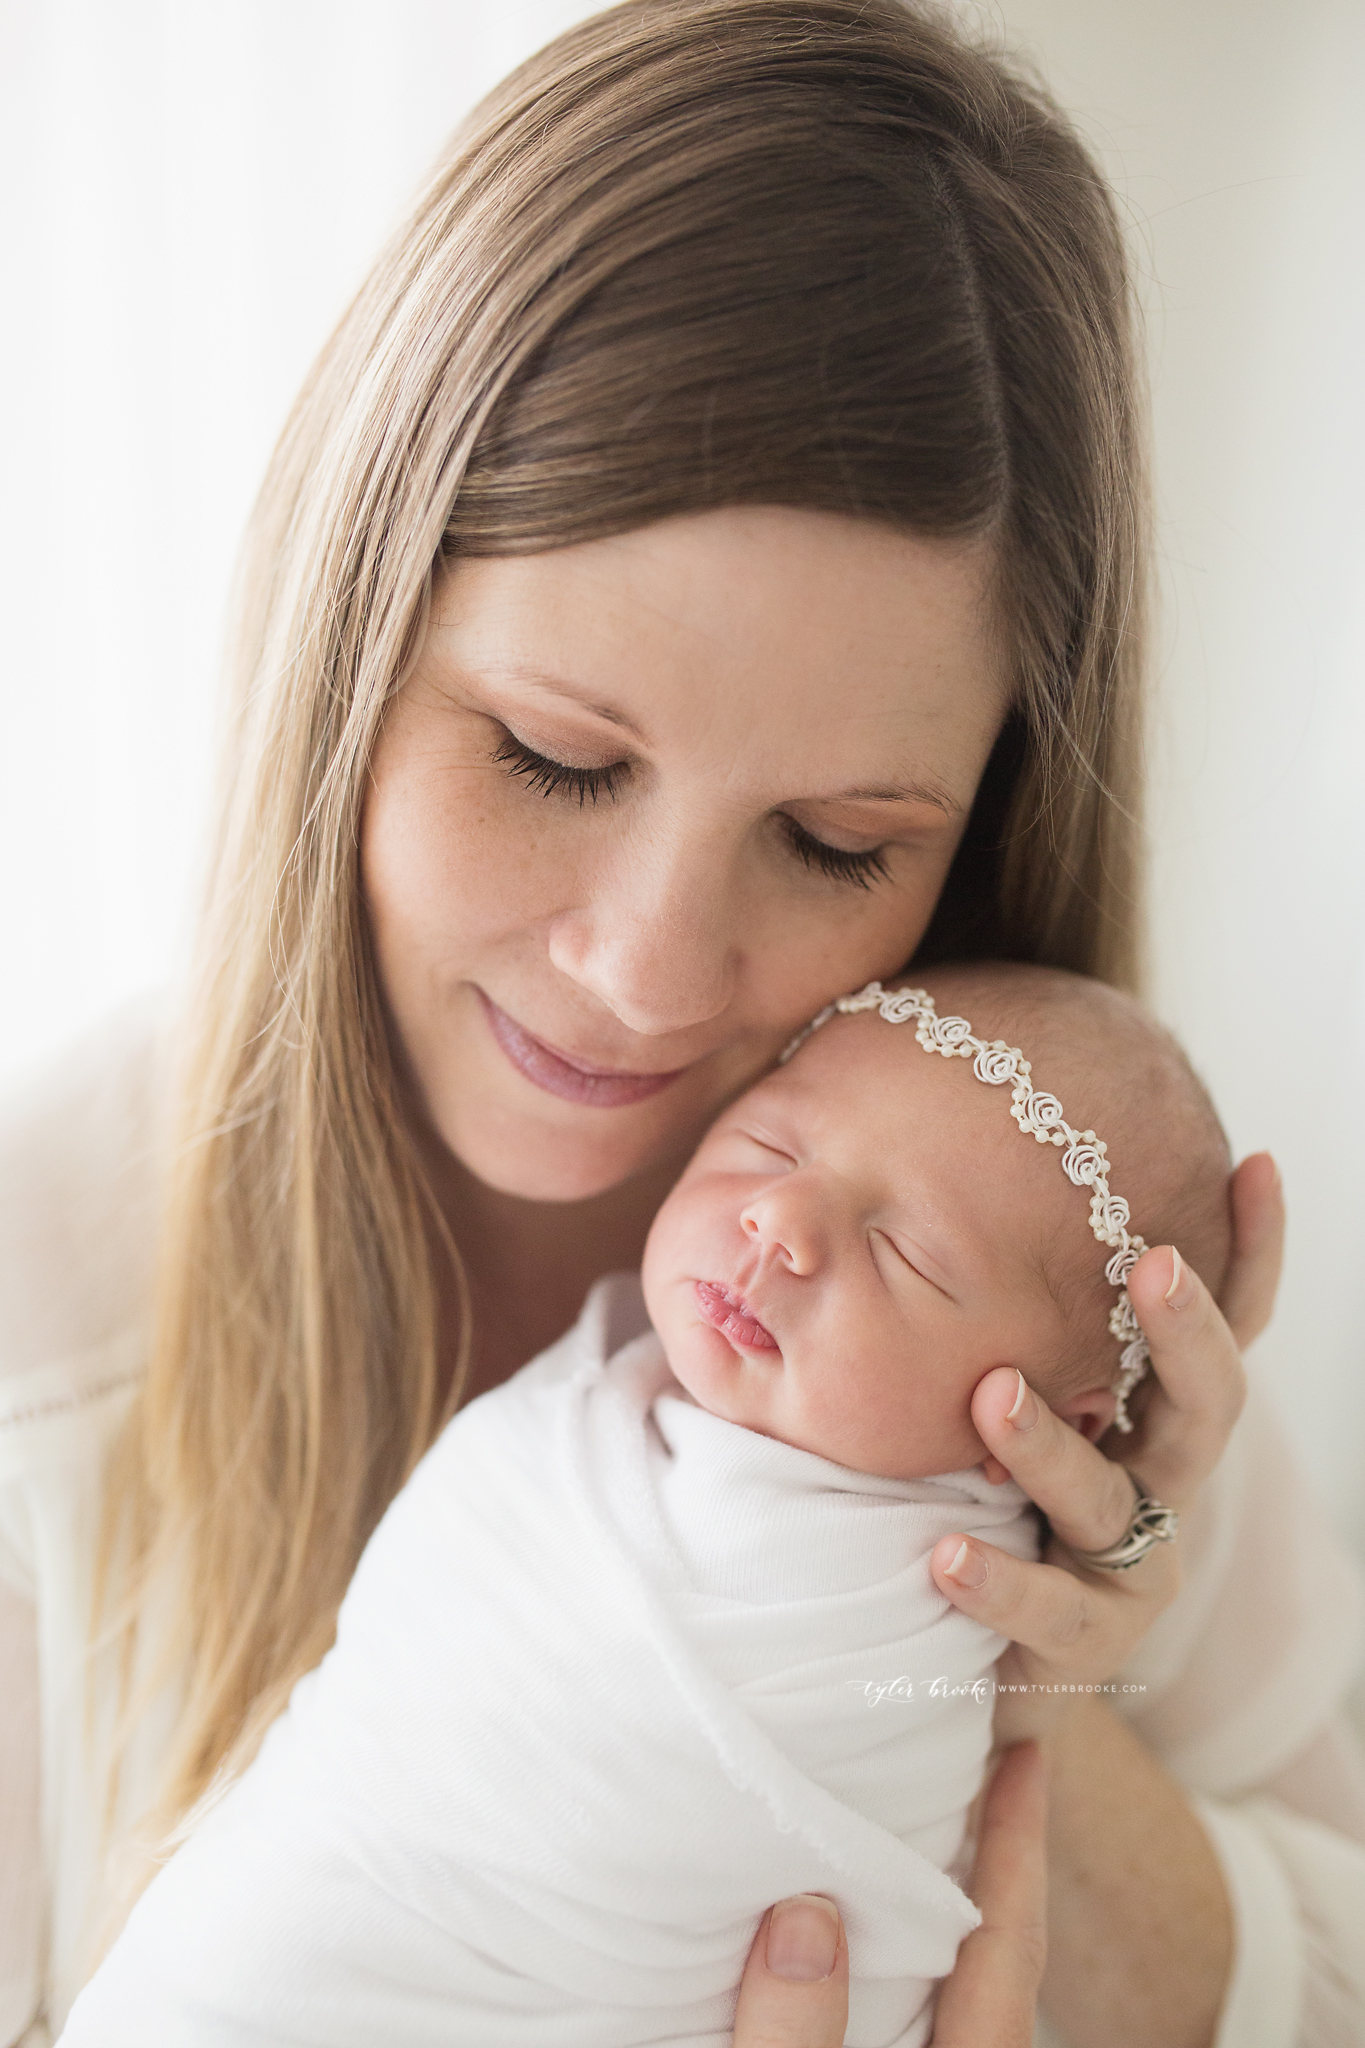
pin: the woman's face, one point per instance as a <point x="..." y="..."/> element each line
<point x="645" y="804"/>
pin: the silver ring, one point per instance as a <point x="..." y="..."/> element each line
<point x="1152" y="1523"/>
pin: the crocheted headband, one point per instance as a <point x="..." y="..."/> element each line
<point x="1085" y="1161"/>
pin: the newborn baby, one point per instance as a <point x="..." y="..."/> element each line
<point x="612" y="1674"/>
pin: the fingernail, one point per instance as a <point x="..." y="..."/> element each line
<point x="803" y="1938"/>
<point x="1180" y="1293"/>
<point x="968" y="1568"/>
<point x="1024" y="1413"/>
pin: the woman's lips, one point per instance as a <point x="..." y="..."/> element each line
<point x="727" y="1313"/>
<point x="575" y="1080"/>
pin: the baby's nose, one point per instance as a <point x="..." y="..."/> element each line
<point x="785" y="1227"/>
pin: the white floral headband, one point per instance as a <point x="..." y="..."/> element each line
<point x="1039" y="1116"/>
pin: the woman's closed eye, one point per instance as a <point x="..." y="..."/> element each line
<point x="555" y="778"/>
<point x="549" y="778"/>
<point x="862" y="869"/>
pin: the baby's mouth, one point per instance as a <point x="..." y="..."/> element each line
<point x="727" y="1313"/>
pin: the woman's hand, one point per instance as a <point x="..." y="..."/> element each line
<point x="1141" y="1944"/>
<point x="1067" y="1625"/>
<point x="795" y="1988"/>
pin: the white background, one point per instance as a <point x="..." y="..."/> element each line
<point x="190" y="194"/>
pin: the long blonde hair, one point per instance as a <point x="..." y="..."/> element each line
<point x="695" y="253"/>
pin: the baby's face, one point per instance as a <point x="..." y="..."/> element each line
<point x="857" y="1241"/>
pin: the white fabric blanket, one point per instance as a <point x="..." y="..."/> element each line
<point x="606" y="1684"/>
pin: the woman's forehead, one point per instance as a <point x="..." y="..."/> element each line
<point x="747" y="609"/>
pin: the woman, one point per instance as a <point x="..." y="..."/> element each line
<point x="703" y="571"/>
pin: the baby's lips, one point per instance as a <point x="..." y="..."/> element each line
<point x="727" y="1313"/>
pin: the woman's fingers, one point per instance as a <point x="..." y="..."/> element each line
<point x="1201" y="1386"/>
<point x="989" y="2000"/>
<point x="1181" y="1433"/>
<point x="1074" y="1629"/>
<point x="1087" y="1497"/>
<point x="794" y="1992"/>
<point x="1257" y="1247"/>
<point x="1071" y="1625"/>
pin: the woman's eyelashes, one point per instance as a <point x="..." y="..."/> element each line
<point x="554" y="778"/>
<point x="862" y="869"/>
<point x="548" y="778"/>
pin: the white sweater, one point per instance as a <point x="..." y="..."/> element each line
<point x="1237" y="1690"/>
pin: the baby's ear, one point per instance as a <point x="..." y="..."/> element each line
<point x="1091" y="1412"/>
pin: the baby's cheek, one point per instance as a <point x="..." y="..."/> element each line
<point x="701" y="1213"/>
<point x="911" y="1407"/>
<point x="658" y="1264"/>
<point x="675" y="1248"/>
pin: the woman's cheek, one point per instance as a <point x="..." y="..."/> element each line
<point x="802" y="958"/>
<point x="451" y="860"/>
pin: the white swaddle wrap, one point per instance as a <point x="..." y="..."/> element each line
<point x="599" y="1695"/>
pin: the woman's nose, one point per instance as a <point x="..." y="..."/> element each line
<point x="657" y="942"/>
<point x="784" y="1222"/>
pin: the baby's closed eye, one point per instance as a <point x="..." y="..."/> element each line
<point x="909" y="1256"/>
<point x="749" y="1148"/>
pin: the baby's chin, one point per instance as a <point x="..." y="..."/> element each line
<point x="732" y="1384"/>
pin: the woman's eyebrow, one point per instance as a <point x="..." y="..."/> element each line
<point x="553" y="685"/>
<point x="901" y="793"/>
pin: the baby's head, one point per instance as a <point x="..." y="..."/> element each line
<point x="867" y="1231"/>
